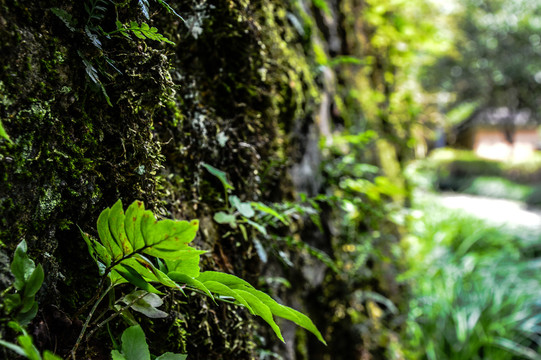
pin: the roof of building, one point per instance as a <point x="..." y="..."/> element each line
<point x="500" y="117"/>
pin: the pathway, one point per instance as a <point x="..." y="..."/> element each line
<point x="513" y="215"/>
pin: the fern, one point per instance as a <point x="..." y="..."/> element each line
<point x="95" y="10"/>
<point x="92" y="73"/>
<point x="66" y="18"/>
<point x="143" y="31"/>
<point x="127" y="239"/>
<point x="256" y="301"/>
<point x="145" y="8"/>
<point x="170" y="9"/>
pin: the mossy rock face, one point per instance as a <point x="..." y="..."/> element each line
<point x="245" y="88"/>
<point x="231" y="93"/>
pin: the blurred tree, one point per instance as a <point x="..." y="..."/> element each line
<point x="495" y="61"/>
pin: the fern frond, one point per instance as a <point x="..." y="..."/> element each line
<point x="125" y="239"/>
<point x="66" y="18"/>
<point x="170" y="9"/>
<point x="145" y="8"/>
<point x="257" y="302"/>
<point x="95" y="10"/>
<point x="143" y="31"/>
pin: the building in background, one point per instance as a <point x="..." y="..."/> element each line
<point x="499" y="134"/>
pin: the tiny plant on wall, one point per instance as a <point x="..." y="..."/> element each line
<point x="18" y="304"/>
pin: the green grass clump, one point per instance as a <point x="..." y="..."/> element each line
<point x="497" y="187"/>
<point x="475" y="296"/>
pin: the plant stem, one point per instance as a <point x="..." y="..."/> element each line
<point x="114" y="315"/>
<point x="89" y="317"/>
<point x="87" y="304"/>
<point x="8" y="289"/>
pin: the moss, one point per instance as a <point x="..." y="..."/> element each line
<point x="241" y="80"/>
<point x="244" y="78"/>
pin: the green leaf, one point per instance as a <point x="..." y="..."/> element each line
<point x="241" y="287"/>
<point x="22" y="266"/>
<point x="224" y="218"/>
<point x="147" y="305"/>
<point x="141" y="268"/>
<point x="170" y="9"/>
<point x="116" y="278"/>
<point x="97" y="251"/>
<point x="116" y="227"/>
<point x="102" y="253"/>
<point x="187" y="263"/>
<point x="66" y="18"/>
<point x="89" y="244"/>
<point x="16" y="348"/>
<point x="134" y="278"/>
<point x="17" y="327"/>
<point x="169" y="234"/>
<point x="154" y="273"/>
<point x="12" y="301"/>
<point x="226" y="279"/>
<point x="30" y="350"/>
<point x="3" y="133"/>
<point x="34" y="282"/>
<point x="323" y="6"/>
<point x="27" y="304"/>
<point x="47" y="355"/>
<point x="222" y="176"/>
<point x="134" y="345"/>
<point x="221" y="289"/>
<point x="132" y="224"/>
<point x="258" y="227"/>
<point x="121" y="29"/>
<point x="144" y="6"/>
<point x="171" y="356"/>
<point x="190" y="281"/>
<point x="24" y="318"/>
<point x="161" y="265"/>
<point x="287" y="313"/>
<point x="268" y="210"/>
<point x="245" y="209"/>
<point x="116" y="355"/>
<point x="105" y="236"/>
<point x="167" y="239"/>
<point x="144" y="31"/>
<point x="243" y="231"/>
<point x="138" y="232"/>
<point x="259" y="308"/>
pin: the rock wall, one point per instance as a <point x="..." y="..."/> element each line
<point x="95" y="114"/>
<point x="93" y="118"/>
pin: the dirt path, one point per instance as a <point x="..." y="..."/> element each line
<point x="513" y="215"/>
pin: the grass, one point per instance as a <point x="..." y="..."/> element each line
<point x="475" y="294"/>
